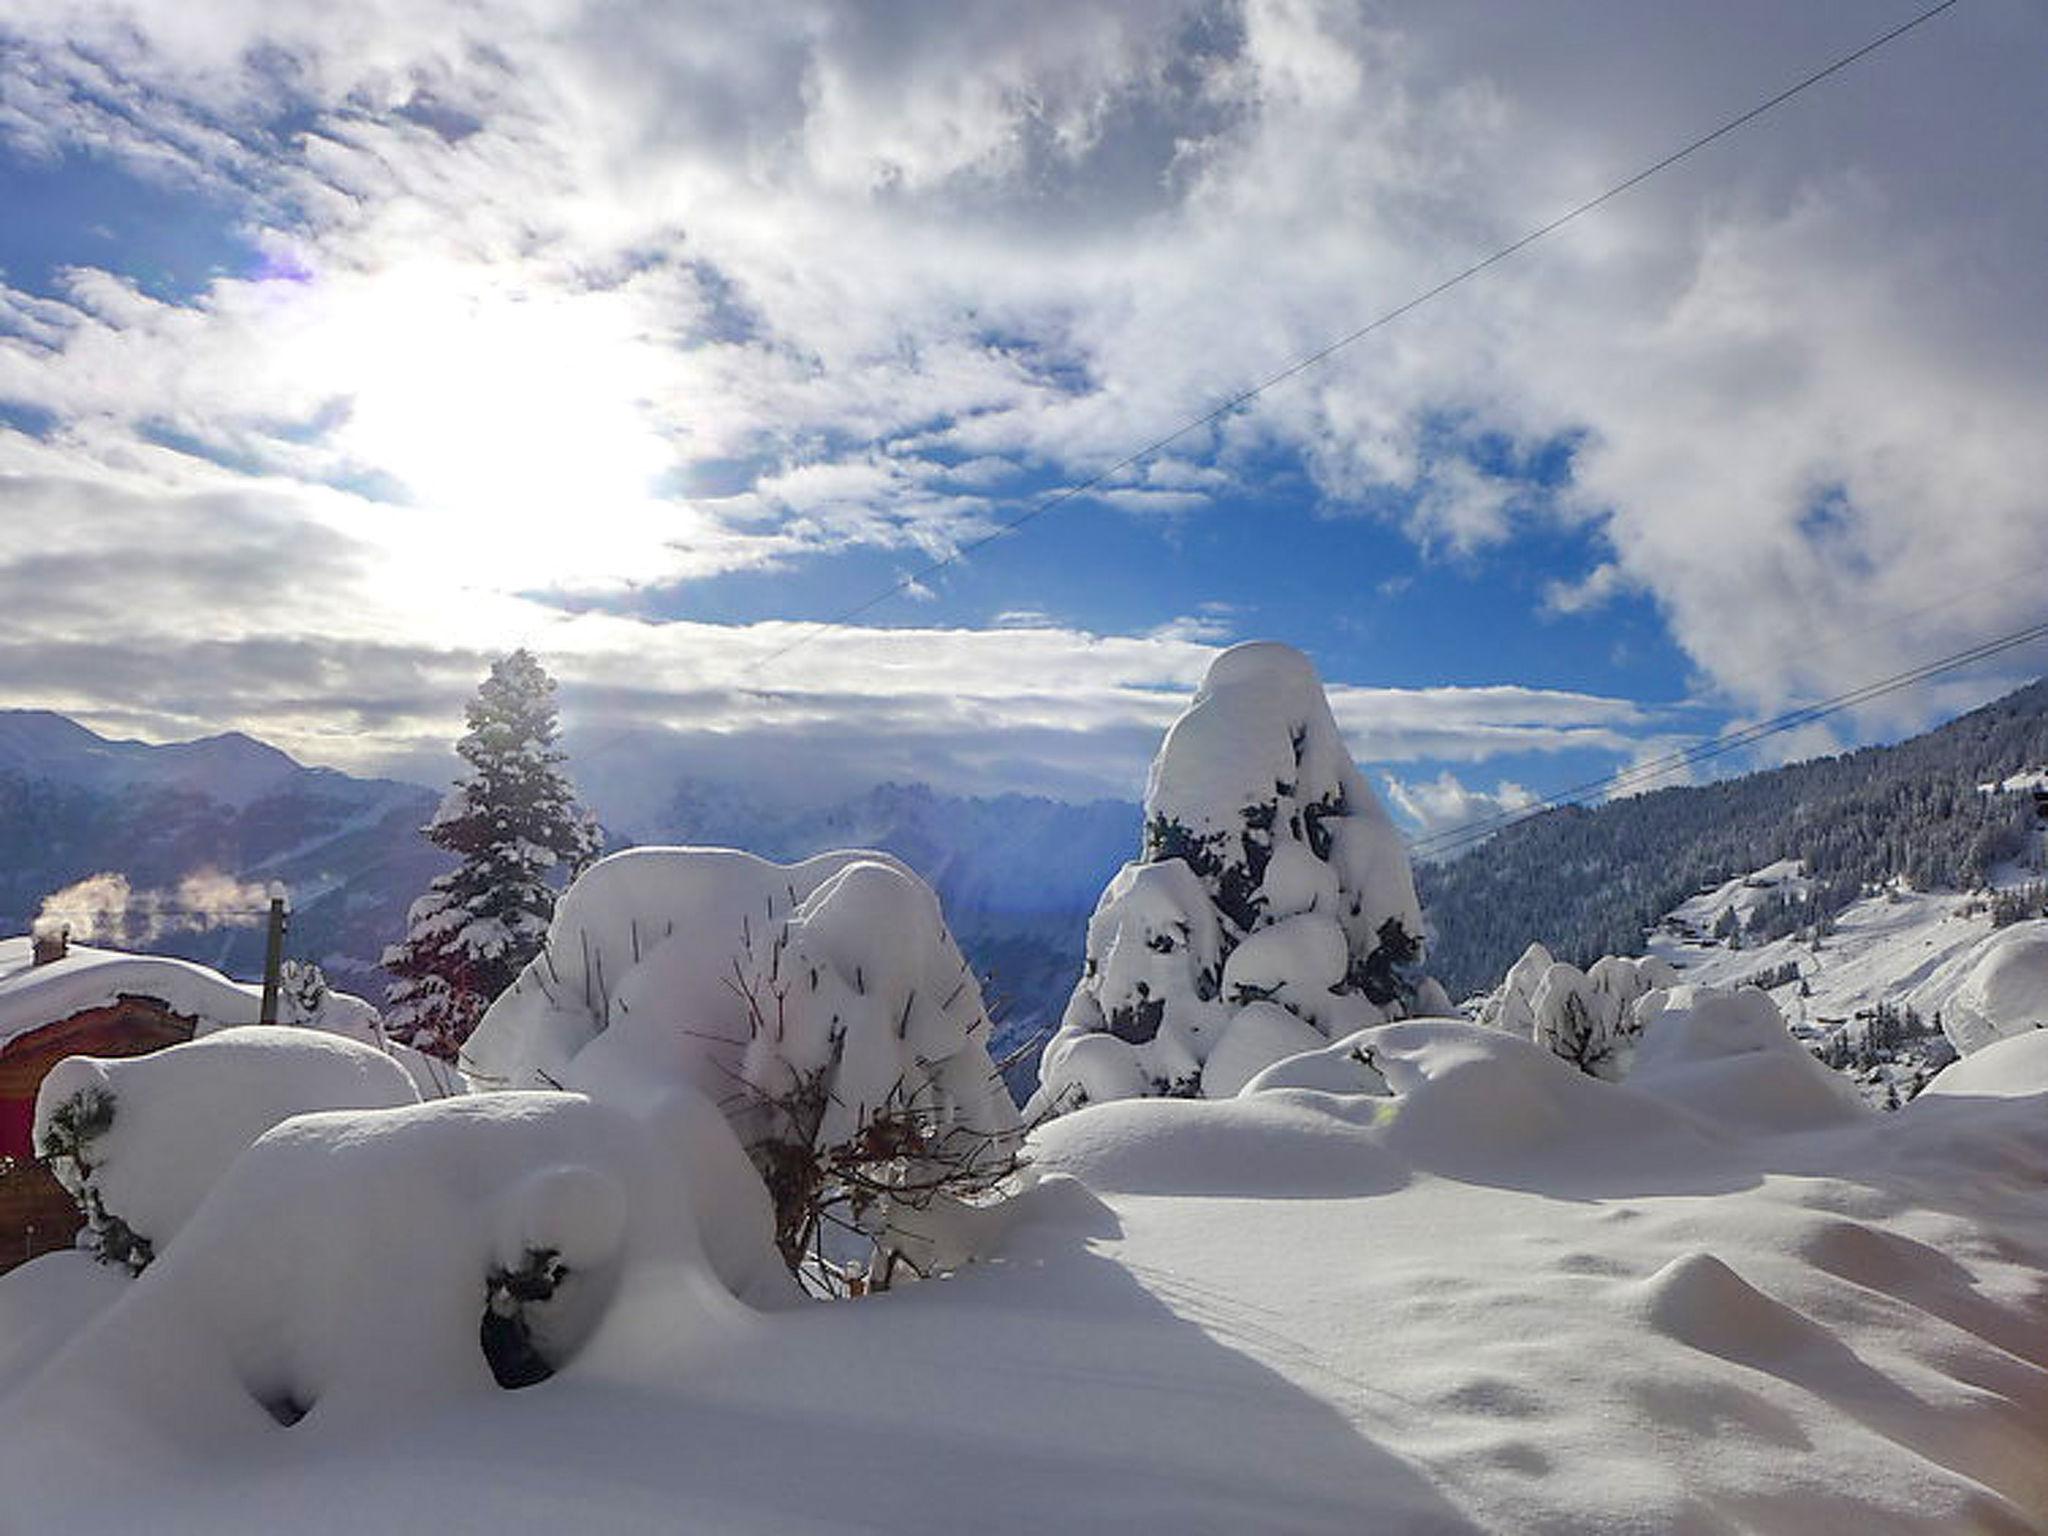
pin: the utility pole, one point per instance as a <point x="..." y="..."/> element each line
<point x="273" y="957"/>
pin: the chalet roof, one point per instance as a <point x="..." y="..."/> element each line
<point x="34" y="995"/>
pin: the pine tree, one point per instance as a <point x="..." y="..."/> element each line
<point x="514" y="822"/>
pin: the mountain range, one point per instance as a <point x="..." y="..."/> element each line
<point x="1589" y="881"/>
<point x="1018" y="875"/>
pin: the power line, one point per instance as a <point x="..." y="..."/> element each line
<point x="1470" y="834"/>
<point x="1324" y="353"/>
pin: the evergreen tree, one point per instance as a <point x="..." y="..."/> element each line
<point x="514" y="822"/>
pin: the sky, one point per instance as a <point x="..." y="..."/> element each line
<point x="343" y="347"/>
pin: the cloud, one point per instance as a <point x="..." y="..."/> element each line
<point x="527" y="268"/>
<point x="1445" y="804"/>
<point x="1597" y="588"/>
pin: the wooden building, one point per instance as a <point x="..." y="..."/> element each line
<point x="57" y="1001"/>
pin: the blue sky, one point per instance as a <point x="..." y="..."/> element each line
<point x="340" y="350"/>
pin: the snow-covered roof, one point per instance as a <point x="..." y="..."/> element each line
<point x="32" y="996"/>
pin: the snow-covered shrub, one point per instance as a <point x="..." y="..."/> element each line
<point x="1589" y="1018"/>
<point x="514" y="822"/>
<point x="302" y="991"/>
<point x="349" y="1262"/>
<point x="138" y="1141"/>
<point x="1270" y="878"/>
<point x="823" y="1005"/>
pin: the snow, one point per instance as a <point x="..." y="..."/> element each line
<point x="1260" y="1035"/>
<point x="368" y="1300"/>
<point x="181" y="1115"/>
<point x="658" y="955"/>
<point x="2003" y="991"/>
<point x="811" y="1001"/>
<point x="2010" y="1068"/>
<point x="1492" y="1294"/>
<point x="2026" y="779"/>
<point x="1590" y="1018"/>
<point x="1727" y="1055"/>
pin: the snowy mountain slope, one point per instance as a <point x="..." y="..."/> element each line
<point x="1588" y="882"/>
<point x="1907" y="948"/>
<point x="1502" y="1302"/>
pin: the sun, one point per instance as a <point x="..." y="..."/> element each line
<point x="511" y="415"/>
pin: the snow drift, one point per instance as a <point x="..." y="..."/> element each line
<point x="1412" y="1281"/>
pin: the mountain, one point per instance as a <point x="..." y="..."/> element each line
<point x="1018" y="874"/>
<point x="1932" y="810"/>
<point x="74" y="804"/>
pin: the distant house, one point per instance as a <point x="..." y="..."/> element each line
<point x="58" y="1000"/>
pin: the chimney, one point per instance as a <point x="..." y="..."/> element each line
<point x="48" y="942"/>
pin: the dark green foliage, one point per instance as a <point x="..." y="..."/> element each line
<point x="2019" y="904"/>
<point x="1591" y="882"/>
<point x="1389" y="971"/>
<point x="506" y="1332"/>
<point x="74" y="1126"/>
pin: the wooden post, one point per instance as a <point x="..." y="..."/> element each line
<point x="273" y="961"/>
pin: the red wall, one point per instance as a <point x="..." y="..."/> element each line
<point x="17" y="1119"/>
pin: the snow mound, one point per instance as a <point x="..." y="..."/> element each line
<point x="274" y="1307"/>
<point x="1698" y="1300"/>
<point x="2013" y="1067"/>
<point x="1270" y="878"/>
<point x="1273" y="1146"/>
<point x="140" y="1140"/>
<point x="2005" y="991"/>
<point x="642" y="950"/>
<point x="1262" y="1035"/>
<point x="1727" y="1055"/>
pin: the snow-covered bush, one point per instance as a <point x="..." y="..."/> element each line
<point x="1271" y="881"/>
<point x="138" y="1141"/>
<point x="514" y="822"/>
<point x="351" y="1262"/>
<point x="823" y="1005"/>
<point x="1590" y="1018"/>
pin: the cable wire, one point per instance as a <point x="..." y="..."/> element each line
<point x="1324" y="353"/>
<point x="1469" y="834"/>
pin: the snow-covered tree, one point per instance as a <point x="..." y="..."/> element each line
<point x="1272" y="890"/>
<point x="514" y="822"/>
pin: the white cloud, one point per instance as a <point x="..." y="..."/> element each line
<point x="535" y="263"/>
<point x="1446" y="805"/>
